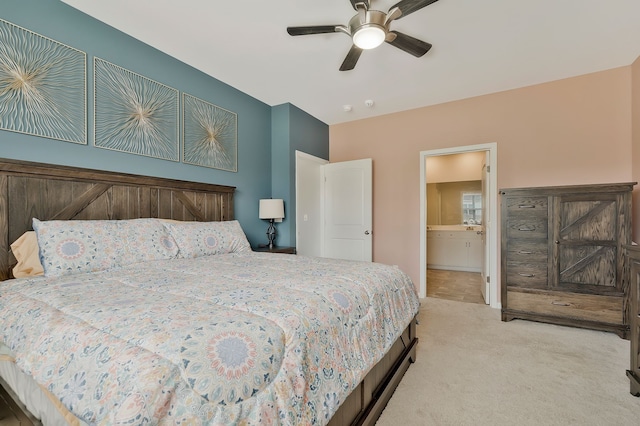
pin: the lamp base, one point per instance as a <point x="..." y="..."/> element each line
<point x="271" y="234"/>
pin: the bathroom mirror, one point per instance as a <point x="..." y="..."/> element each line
<point x="454" y="203"/>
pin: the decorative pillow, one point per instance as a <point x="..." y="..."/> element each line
<point x="25" y="249"/>
<point x="195" y="239"/>
<point x="147" y="239"/>
<point x="73" y="246"/>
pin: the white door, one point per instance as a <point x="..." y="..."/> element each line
<point x="485" y="287"/>
<point x="348" y="210"/>
<point x="309" y="189"/>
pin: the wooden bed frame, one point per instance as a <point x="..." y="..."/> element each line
<point x="51" y="192"/>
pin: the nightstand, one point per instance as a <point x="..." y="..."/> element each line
<point x="286" y="250"/>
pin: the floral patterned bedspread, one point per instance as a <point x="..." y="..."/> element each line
<point x="253" y="338"/>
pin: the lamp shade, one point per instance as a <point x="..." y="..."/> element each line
<point x="271" y="209"/>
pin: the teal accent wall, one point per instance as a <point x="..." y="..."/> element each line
<point x="292" y="130"/>
<point x="255" y="176"/>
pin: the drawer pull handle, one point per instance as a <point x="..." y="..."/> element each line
<point x="526" y="206"/>
<point x="527" y="228"/>
<point x="526" y="275"/>
<point x="555" y="302"/>
<point x="525" y="252"/>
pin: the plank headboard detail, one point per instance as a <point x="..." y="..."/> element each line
<point x="51" y="192"/>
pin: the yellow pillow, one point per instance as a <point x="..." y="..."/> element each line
<point x="26" y="251"/>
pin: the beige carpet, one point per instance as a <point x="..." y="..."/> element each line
<point x="473" y="369"/>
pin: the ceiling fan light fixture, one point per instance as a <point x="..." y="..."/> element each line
<point x="369" y="36"/>
<point x="369" y="28"/>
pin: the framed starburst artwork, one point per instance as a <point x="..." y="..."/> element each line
<point x="134" y="114"/>
<point x="43" y="86"/>
<point x="210" y="135"/>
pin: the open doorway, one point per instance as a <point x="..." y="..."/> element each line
<point x="456" y="203"/>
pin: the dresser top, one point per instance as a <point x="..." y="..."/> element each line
<point x="574" y="189"/>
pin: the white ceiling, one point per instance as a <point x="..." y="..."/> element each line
<point x="479" y="47"/>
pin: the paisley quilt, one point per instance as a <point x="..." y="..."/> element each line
<point x="242" y="338"/>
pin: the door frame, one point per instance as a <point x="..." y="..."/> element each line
<point x="492" y="147"/>
<point x="486" y="207"/>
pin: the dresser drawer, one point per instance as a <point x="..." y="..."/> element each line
<point x="588" y="307"/>
<point x="530" y="205"/>
<point x="526" y="250"/>
<point x="529" y="275"/>
<point x="527" y="227"/>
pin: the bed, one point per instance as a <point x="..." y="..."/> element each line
<point x="183" y="333"/>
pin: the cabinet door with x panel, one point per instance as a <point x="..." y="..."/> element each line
<point x="587" y="252"/>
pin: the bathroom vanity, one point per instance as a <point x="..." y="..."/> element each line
<point x="454" y="247"/>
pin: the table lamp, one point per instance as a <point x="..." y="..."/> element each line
<point x="271" y="209"/>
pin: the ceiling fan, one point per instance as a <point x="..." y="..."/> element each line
<point x="370" y="28"/>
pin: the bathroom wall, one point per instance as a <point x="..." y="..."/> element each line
<point x="448" y="176"/>
<point x="444" y="201"/>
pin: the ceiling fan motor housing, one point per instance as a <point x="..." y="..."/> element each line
<point x="373" y="28"/>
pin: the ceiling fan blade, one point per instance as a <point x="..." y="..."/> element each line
<point x="316" y="29"/>
<point x="355" y="3"/>
<point x="410" y="6"/>
<point x="350" y="61"/>
<point x="407" y="43"/>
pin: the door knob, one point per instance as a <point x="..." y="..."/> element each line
<point x="366" y="232"/>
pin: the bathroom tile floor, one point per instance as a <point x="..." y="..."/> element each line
<point x="454" y="285"/>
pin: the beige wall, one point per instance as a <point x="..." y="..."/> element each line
<point x="571" y="131"/>
<point x="635" y="129"/>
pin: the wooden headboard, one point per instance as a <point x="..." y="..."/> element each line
<point x="50" y="192"/>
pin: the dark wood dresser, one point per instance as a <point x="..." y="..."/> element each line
<point x="563" y="259"/>
<point x="633" y="254"/>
